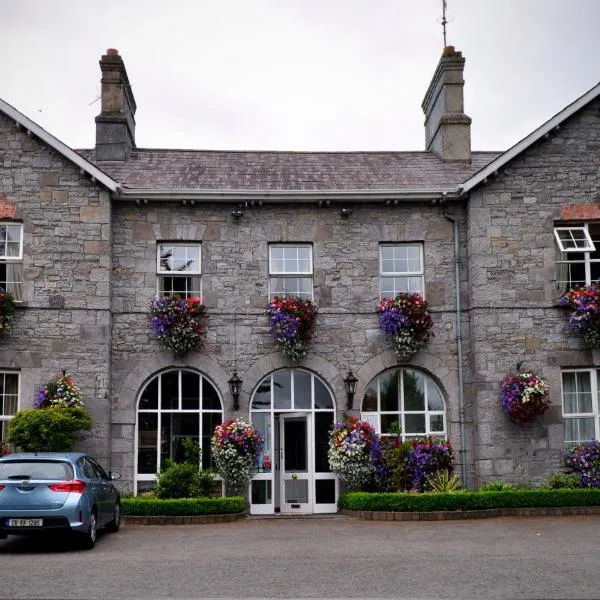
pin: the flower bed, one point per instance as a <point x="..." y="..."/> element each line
<point x="292" y="321"/>
<point x="584" y="317"/>
<point x="236" y="448"/>
<point x="406" y="319"/>
<point x="524" y="396"/>
<point x="178" y="323"/>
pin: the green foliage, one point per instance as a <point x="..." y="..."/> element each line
<point x="177" y="480"/>
<point x="497" y="486"/>
<point x="559" y="481"/>
<point x="443" y="482"/>
<point x="54" y="429"/>
<point x="206" y="483"/>
<point x="183" y="506"/>
<point x="399" y="477"/>
<point x="192" y="452"/>
<point x="405" y="502"/>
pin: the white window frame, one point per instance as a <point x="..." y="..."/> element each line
<point x="572" y="243"/>
<point x="16" y="288"/>
<point x="565" y="262"/>
<point x="373" y="417"/>
<point x="386" y="275"/>
<point x="594" y="414"/>
<point x="160" y="273"/>
<point x="297" y="274"/>
<point x="5" y="417"/>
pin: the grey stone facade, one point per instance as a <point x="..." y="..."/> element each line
<point x="90" y="273"/>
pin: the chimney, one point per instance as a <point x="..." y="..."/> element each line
<point x="115" y="125"/>
<point x="447" y="128"/>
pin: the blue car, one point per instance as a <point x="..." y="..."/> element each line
<point x="57" y="492"/>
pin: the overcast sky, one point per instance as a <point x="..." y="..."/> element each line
<point x="296" y="74"/>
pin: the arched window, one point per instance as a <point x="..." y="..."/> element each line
<point x="407" y="398"/>
<point x="174" y="405"/>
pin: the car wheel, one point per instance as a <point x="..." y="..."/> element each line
<point x="114" y="525"/>
<point x="88" y="539"/>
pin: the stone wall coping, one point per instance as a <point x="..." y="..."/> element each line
<point x="453" y="515"/>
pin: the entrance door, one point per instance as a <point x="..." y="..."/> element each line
<point x="296" y="474"/>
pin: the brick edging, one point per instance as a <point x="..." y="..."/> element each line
<point x="180" y="520"/>
<point x="450" y="515"/>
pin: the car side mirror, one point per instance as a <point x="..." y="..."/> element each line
<point x="114" y="475"/>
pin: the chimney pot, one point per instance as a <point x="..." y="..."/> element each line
<point x="112" y="52"/>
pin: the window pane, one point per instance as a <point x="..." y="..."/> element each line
<point x="323" y="398"/>
<point x="579" y="430"/>
<point x="149" y="399"/>
<point x="577" y="393"/>
<point x="414" y="423"/>
<point x="436" y="423"/>
<point x="183" y="286"/>
<point x="302" y="389"/>
<point x="147" y="441"/>
<point x="434" y="398"/>
<point x="291" y="286"/>
<point x="262" y="396"/>
<point x="388" y="389"/>
<point x="389" y="423"/>
<point x="9" y="393"/>
<point x="414" y="398"/>
<point x="261" y="492"/>
<point x="179" y="258"/>
<point x="282" y="383"/>
<point x="262" y="422"/>
<point x="169" y="387"/>
<point x="325" y="491"/>
<point x="190" y="391"/>
<point x="370" y="398"/>
<point x="209" y="421"/>
<point x="210" y="396"/>
<point x="323" y="423"/>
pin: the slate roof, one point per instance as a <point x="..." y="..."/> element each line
<point x="155" y="169"/>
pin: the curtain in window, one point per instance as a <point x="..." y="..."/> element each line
<point x="562" y="272"/>
<point x="14" y="279"/>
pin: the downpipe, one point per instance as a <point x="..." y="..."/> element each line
<point x="461" y="387"/>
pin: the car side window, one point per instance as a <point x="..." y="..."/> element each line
<point x="88" y="469"/>
<point x="101" y="473"/>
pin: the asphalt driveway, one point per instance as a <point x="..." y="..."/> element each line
<point x="538" y="557"/>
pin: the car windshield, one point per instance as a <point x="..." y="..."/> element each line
<point x="36" y="469"/>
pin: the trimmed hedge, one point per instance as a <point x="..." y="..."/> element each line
<point x="465" y="500"/>
<point x="182" y="507"/>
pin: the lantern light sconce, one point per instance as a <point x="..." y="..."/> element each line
<point x="237" y="214"/>
<point x="346" y="212"/>
<point x="350" y="383"/>
<point x="235" y="387"/>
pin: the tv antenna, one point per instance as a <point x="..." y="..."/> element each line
<point x="445" y="20"/>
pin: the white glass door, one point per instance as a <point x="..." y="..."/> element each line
<point x="262" y="487"/>
<point x="296" y="473"/>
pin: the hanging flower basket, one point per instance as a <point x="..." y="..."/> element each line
<point x="524" y="396"/>
<point x="355" y="453"/>
<point x="292" y="321"/>
<point x="178" y="323"/>
<point x="59" y="391"/>
<point x="236" y="448"/>
<point x="7" y="310"/>
<point x="584" y="318"/>
<point x="406" y="319"/>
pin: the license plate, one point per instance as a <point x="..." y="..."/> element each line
<point x="24" y="522"/>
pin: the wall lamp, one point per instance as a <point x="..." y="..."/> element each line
<point x="235" y="387"/>
<point x="346" y="212"/>
<point x="237" y="214"/>
<point x="350" y="383"/>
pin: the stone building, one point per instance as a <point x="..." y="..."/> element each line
<point x="89" y="237"/>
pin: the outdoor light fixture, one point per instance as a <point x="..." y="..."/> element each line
<point x="350" y="383"/>
<point x="235" y="387"/>
<point x="237" y="214"/>
<point x="346" y="212"/>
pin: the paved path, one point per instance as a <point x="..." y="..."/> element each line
<point x="540" y="557"/>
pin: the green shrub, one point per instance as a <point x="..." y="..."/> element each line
<point x="206" y="483"/>
<point x="54" y="429"/>
<point x="497" y="486"/>
<point x="183" y="506"/>
<point x="443" y="482"/>
<point x="178" y="480"/>
<point x="403" y="502"/>
<point x="395" y="458"/>
<point x="559" y="481"/>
